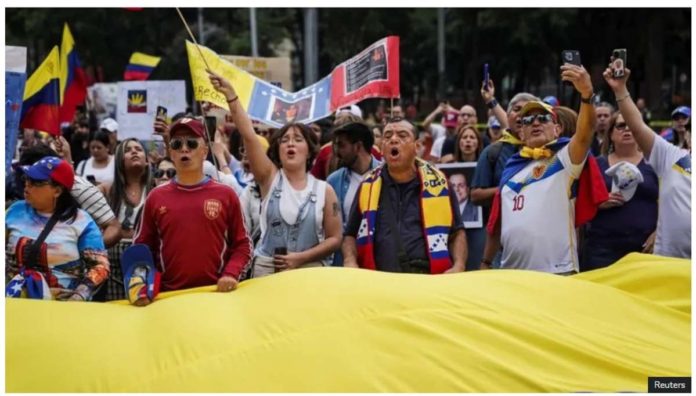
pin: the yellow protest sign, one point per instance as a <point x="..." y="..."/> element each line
<point x="242" y="81"/>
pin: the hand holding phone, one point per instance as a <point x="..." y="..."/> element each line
<point x="486" y="76"/>
<point x="618" y="62"/>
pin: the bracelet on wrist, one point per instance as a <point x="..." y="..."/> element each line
<point x="230" y="101"/>
<point x="628" y="95"/>
<point x="492" y="103"/>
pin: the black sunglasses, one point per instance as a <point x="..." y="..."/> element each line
<point x="171" y="172"/>
<point x="542" y="118"/>
<point x="177" y="144"/>
<point x="621" y="126"/>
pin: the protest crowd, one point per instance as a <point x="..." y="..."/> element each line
<point x="543" y="187"/>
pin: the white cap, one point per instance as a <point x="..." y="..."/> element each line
<point x="353" y="109"/>
<point x="625" y="178"/>
<point x="109" y="124"/>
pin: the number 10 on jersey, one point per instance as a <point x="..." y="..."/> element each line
<point x="518" y="203"/>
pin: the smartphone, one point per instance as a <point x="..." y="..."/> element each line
<point x="572" y="57"/>
<point x="161" y="112"/>
<point x="91" y="179"/>
<point x="486" y="76"/>
<point x="211" y="126"/>
<point x="618" y="64"/>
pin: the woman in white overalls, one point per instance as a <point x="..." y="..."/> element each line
<point x="300" y="216"/>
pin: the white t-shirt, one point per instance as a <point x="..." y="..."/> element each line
<point x="436" y="150"/>
<point x="673" y="166"/>
<point x="102" y="175"/>
<point x="538" y="216"/>
<point x="291" y="199"/>
<point x="355" y="179"/>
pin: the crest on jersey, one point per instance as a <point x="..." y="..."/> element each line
<point x="538" y="171"/>
<point x="212" y="208"/>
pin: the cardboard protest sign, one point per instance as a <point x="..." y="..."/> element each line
<point x="137" y="105"/>
<point x="275" y="70"/>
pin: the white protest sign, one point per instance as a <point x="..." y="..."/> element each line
<point x="15" y="59"/>
<point x="137" y="105"/>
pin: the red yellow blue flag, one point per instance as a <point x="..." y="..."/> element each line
<point x="40" y="108"/>
<point x="73" y="81"/>
<point x="140" y="66"/>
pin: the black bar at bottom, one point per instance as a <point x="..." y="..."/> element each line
<point x="669" y="384"/>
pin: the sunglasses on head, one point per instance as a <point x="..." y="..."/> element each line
<point x="542" y="118"/>
<point x="177" y="144"/>
<point x="171" y="172"/>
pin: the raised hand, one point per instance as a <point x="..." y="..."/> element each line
<point x="616" y="84"/>
<point x="488" y="92"/>
<point x="579" y="77"/>
<point x="222" y="85"/>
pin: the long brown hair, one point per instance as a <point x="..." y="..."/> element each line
<point x="458" y="151"/>
<point x="117" y="193"/>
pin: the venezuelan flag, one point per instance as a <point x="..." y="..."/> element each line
<point x="140" y="66"/>
<point x="73" y="82"/>
<point x="40" y="109"/>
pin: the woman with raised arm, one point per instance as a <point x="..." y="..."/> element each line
<point x="300" y="216"/>
<point x="671" y="164"/>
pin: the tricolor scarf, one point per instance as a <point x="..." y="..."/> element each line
<point x="30" y="280"/>
<point x="436" y="220"/>
<point x="589" y="189"/>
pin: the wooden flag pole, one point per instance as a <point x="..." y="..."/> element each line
<point x="205" y="124"/>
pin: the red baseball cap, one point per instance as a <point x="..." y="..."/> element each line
<point x="188" y="124"/>
<point x="51" y="168"/>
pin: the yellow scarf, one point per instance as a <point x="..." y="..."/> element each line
<point x="510" y="138"/>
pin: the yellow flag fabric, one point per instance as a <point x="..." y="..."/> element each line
<point x="242" y="81"/>
<point x="47" y="71"/>
<point x="139" y="58"/>
<point x="67" y="45"/>
<point x="352" y="330"/>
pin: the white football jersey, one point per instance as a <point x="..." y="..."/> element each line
<point x="538" y="216"/>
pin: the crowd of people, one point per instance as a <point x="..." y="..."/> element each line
<point x="554" y="189"/>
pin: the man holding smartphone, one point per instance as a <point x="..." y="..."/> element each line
<point x="535" y="188"/>
<point x="193" y="225"/>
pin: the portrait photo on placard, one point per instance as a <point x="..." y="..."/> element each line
<point x="459" y="176"/>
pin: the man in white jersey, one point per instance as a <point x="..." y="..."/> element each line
<point x="534" y="203"/>
<point x="671" y="164"/>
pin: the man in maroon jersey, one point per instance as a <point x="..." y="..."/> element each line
<point x="193" y="225"/>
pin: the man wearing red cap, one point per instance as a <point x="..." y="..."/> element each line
<point x="194" y="225"/>
<point x="537" y="188"/>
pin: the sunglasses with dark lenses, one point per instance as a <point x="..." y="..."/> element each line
<point x="542" y="118"/>
<point x="171" y="172"/>
<point x="178" y="144"/>
<point x="621" y="126"/>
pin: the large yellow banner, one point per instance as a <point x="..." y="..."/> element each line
<point x="353" y="330"/>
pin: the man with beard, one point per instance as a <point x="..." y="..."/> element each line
<point x="404" y="216"/>
<point x="352" y="145"/>
<point x="193" y="225"/>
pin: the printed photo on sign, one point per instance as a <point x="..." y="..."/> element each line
<point x="137" y="101"/>
<point x="459" y="176"/>
<point x="283" y="111"/>
<point x="367" y="67"/>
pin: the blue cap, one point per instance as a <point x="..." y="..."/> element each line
<point x="685" y="110"/>
<point x="493" y="123"/>
<point x="551" y="100"/>
<point x="51" y="168"/>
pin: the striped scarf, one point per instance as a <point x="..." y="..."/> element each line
<point x="435" y="219"/>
